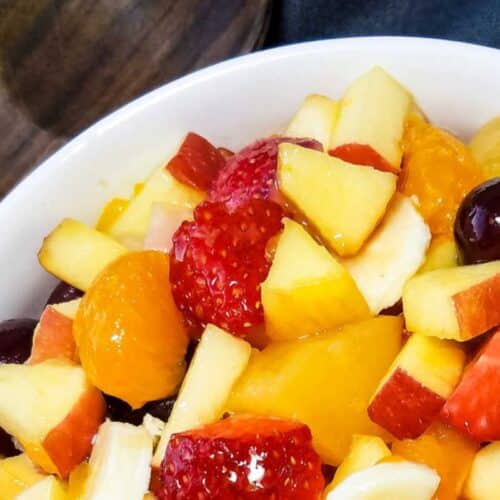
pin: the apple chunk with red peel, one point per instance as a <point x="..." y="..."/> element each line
<point x="316" y="118"/>
<point x="473" y="407"/>
<point x="457" y="303"/>
<point x="416" y="386"/>
<point x="343" y="202"/>
<point x="391" y="256"/>
<point x="52" y="411"/>
<point x="307" y="290"/>
<point x="372" y="115"/>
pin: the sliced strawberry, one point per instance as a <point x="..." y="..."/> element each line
<point x="242" y="457"/>
<point x="251" y="173"/>
<point x="218" y="262"/>
<point x="474" y="406"/>
<point x="362" y="154"/>
<point x="197" y="162"/>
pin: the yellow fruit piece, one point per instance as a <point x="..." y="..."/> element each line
<point x="442" y="254"/>
<point x="483" y="482"/>
<point x="444" y="450"/>
<point x="48" y="488"/>
<point x="76" y="253"/>
<point x="485" y="148"/>
<point x="325" y="381"/>
<point x="307" y="290"/>
<point x="17" y="474"/>
<point x="364" y="452"/>
<point x="342" y="201"/>
<point x="110" y="213"/>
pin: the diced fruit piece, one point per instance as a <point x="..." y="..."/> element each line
<point x="393" y="480"/>
<point x="444" y="450"/>
<point x="316" y="118"/>
<point x="207" y="375"/>
<point x="130" y="336"/>
<point x="197" y="162"/>
<point x="76" y="253"/>
<point x="256" y="458"/>
<point x="472" y="408"/>
<point x="483" y="482"/>
<point x="442" y="254"/>
<point x="161" y="187"/>
<point x="48" y="488"/>
<point x="364" y="452"/>
<point x="218" y="263"/>
<point x="63" y="293"/>
<point x="438" y="171"/>
<point x="307" y="290"/>
<point x="416" y="386"/>
<point x="15" y="339"/>
<point x="165" y="220"/>
<point x="110" y="213"/>
<point x="485" y="148"/>
<point x="325" y="381"/>
<point x="16" y="475"/>
<point x="477" y="226"/>
<point x="52" y="410"/>
<point x="251" y="173"/>
<point x="391" y="256"/>
<point x="118" y="467"/>
<point x="361" y="154"/>
<point x="372" y="113"/>
<point x="53" y="337"/>
<point x="333" y="195"/>
<point x="456" y="303"/>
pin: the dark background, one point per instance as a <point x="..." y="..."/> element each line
<point x="476" y="21"/>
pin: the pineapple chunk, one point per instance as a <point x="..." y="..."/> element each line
<point x="307" y="290"/>
<point x="16" y="475"/>
<point x="76" y="253"/>
<point x="48" y="488"/>
<point x="315" y="118"/>
<point x="344" y="202"/>
<point x="325" y="381"/>
<point x="218" y="361"/>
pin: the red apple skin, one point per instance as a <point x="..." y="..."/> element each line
<point x="70" y="442"/>
<point x="404" y="407"/>
<point x="362" y="154"/>
<point x="478" y="308"/>
<point x="473" y="408"/>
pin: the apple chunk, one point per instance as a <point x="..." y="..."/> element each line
<point x="76" y="253"/>
<point x="52" y="411"/>
<point x="416" y="386"/>
<point x="307" y="290"/>
<point x="455" y="303"/>
<point x="48" y="488"/>
<point x="391" y="256"/>
<point x="343" y="202"/>
<point x="373" y="113"/>
<point x="219" y="360"/>
<point x="315" y="118"/>
<point x="483" y="482"/>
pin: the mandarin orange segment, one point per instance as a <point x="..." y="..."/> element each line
<point x="444" y="450"/>
<point x="438" y="171"/>
<point x="130" y="336"/>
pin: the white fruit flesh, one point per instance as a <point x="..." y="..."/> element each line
<point x="483" y="482"/>
<point x="391" y="256"/>
<point x="388" y="481"/>
<point x="69" y="308"/>
<point x="219" y="360"/>
<point x="48" y="488"/>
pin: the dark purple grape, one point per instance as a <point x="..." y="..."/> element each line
<point x="394" y="310"/>
<point x="7" y="448"/>
<point x="477" y="225"/>
<point x="15" y="340"/>
<point x="64" y="293"/>
<point x="120" y="411"/>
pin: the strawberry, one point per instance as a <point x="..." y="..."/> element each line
<point x="474" y="406"/>
<point x="197" y="162"/>
<point x="243" y="457"/>
<point x="251" y="173"/>
<point x="362" y="154"/>
<point x="218" y="262"/>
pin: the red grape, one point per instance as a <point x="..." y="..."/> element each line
<point x="15" y="340"/>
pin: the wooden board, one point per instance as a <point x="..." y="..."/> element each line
<point x="66" y="63"/>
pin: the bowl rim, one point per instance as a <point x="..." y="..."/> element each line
<point x="127" y="110"/>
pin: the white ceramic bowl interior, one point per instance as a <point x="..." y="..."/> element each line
<point x="231" y="104"/>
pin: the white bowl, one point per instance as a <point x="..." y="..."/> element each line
<point x="231" y="103"/>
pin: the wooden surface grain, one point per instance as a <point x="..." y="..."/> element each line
<point x="66" y="63"/>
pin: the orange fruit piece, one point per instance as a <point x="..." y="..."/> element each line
<point x="444" y="450"/>
<point x="130" y="336"/>
<point x="438" y="172"/>
<point x="110" y="213"/>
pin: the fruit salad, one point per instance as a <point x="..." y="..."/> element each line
<point x="314" y="316"/>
